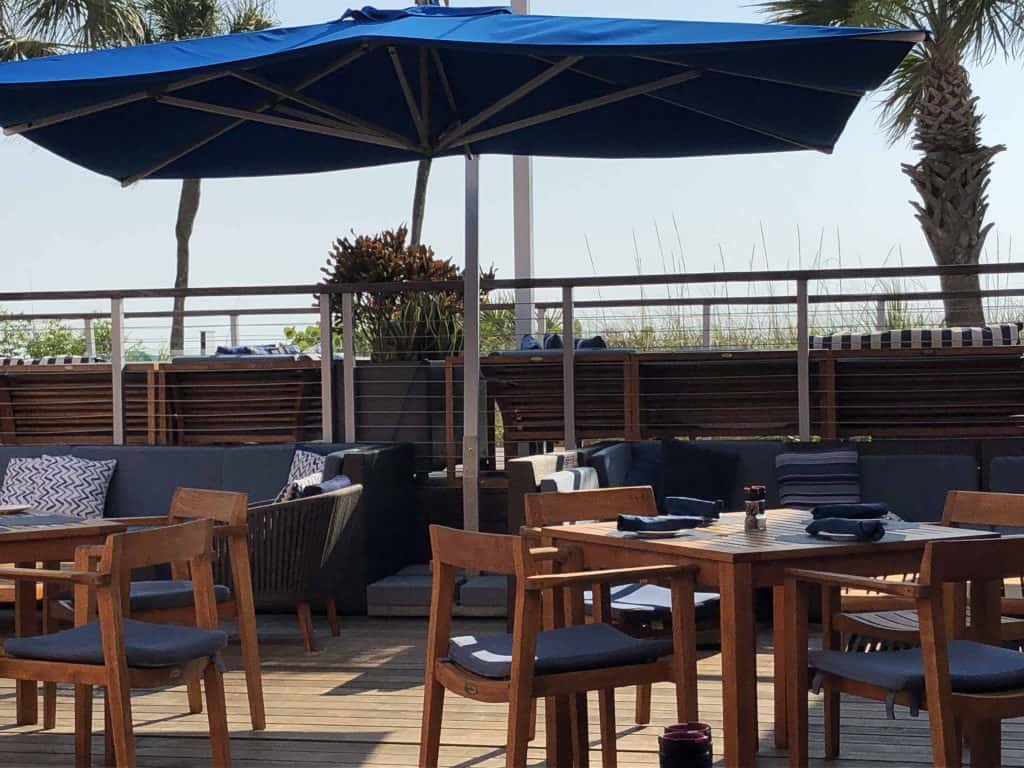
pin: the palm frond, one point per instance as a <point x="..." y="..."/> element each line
<point x="249" y="16"/>
<point x="182" y="19"/>
<point x="85" y="24"/>
<point x="987" y="28"/>
<point x="902" y="95"/>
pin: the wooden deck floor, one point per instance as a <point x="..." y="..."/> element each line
<point x="357" y="702"/>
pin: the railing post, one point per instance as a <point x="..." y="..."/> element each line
<point x="881" y="319"/>
<point x="471" y="353"/>
<point x="117" y="367"/>
<point x="348" y="365"/>
<point x="202" y="343"/>
<point x="705" y="325"/>
<point x="542" y="322"/>
<point x="90" y="338"/>
<point x="233" y="329"/>
<point x="326" y="370"/>
<point x="568" y="370"/>
<point x="803" y="361"/>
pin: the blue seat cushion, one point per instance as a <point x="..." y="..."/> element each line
<point x="154" y="595"/>
<point x="572" y="649"/>
<point x="147" y="645"/>
<point x="651" y="601"/>
<point x="973" y="668"/>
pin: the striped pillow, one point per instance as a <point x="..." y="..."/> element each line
<point x="1001" y="335"/>
<point x="818" y="477"/>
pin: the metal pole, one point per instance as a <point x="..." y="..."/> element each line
<point x="542" y="322"/>
<point x="348" y="365"/>
<point x="881" y="319"/>
<point x="326" y="370"/>
<point x="568" y="371"/>
<point x="90" y="338"/>
<point x="705" y="328"/>
<point x="471" y="355"/>
<point x="803" y="361"/>
<point x="233" y="329"/>
<point x="202" y="343"/>
<point x="522" y="226"/>
<point x="117" y="367"/>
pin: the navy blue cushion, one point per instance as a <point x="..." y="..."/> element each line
<point x="527" y="342"/>
<point x="579" y="479"/>
<point x="258" y="470"/>
<point x="334" y="462"/>
<point x="915" y="486"/>
<point x="146" y="645"/>
<point x="696" y="470"/>
<point x="592" y="342"/>
<point x="973" y="668"/>
<point x="683" y="505"/>
<point x="336" y="483"/>
<point x="650" y="601"/>
<point x="612" y="464"/>
<point x="809" y="478"/>
<point x="553" y="341"/>
<point x="572" y="649"/>
<point x="155" y="595"/>
<point x="645" y="465"/>
<point x="1006" y="474"/>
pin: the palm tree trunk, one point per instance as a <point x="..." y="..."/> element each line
<point x="952" y="179"/>
<point x="188" y="208"/>
<point x="419" y="200"/>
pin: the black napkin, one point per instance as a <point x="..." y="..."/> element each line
<point x="686" y="507"/>
<point x="864" y="530"/>
<point x="851" y="511"/>
<point x="634" y="523"/>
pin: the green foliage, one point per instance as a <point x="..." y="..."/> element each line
<point x="401" y="325"/>
<point x="308" y="337"/>
<point x="54" y="339"/>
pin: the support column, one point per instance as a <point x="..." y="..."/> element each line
<point x="471" y="354"/>
<point x="522" y="228"/>
<point x="568" y="370"/>
<point x="90" y="338"/>
<point x="233" y="329"/>
<point x="348" y="365"/>
<point x="803" y="361"/>
<point x="117" y="367"/>
<point x="326" y="370"/>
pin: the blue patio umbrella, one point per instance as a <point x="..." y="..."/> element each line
<point x="378" y="87"/>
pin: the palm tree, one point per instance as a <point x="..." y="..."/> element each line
<point x="930" y="96"/>
<point x="180" y="20"/>
<point x="419" y="197"/>
<point x="32" y="28"/>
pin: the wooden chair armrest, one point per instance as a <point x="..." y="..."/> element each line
<point x="899" y="588"/>
<point x="143" y="522"/>
<point x="549" y="554"/>
<point x="54" y="577"/>
<point x="615" y="576"/>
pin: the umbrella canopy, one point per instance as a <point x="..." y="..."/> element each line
<point x="381" y="87"/>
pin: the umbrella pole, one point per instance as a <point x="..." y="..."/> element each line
<point x="471" y="355"/>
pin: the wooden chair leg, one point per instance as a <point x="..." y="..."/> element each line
<point x="533" y="720"/>
<point x="109" y="758"/>
<point x="606" y="708"/>
<point x="643" y="704"/>
<point x="306" y="626"/>
<point x="216" y="707"/>
<point x="83" y="726"/>
<point x="49" y="706"/>
<point x="578" y="727"/>
<point x="830" y="705"/>
<point x="986" y="744"/>
<point x="433" y="714"/>
<point x="249" y="640"/>
<point x="195" y="698"/>
<point x="119" y="710"/>
<point x="332" y="616"/>
<point x="518" y="731"/>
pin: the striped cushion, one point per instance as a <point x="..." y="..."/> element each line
<point x="7" y="362"/>
<point x="570" y="480"/>
<point x="1003" y="335"/>
<point x="819" y="477"/>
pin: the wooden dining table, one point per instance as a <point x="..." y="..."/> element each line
<point x="47" y="540"/>
<point x="736" y="563"/>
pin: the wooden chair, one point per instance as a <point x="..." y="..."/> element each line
<point x="119" y="653"/>
<point x="881" y="621"/>
<point x="641" y="609"/>
<point x="967" y="686"/>
<point x="528" y="664"/>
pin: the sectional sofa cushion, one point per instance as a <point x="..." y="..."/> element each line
<point x="809" y="478"/>
<point x="696" y="470"/>
<point x="1006" y="474"/>
<point x="629" y="463"/>
<point x="915" y="486"/>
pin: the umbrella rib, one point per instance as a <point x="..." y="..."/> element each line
<point x="319" y="106"/>
<point x="688" y="108"/>
<point x="449" y="94"/>
<point x="457" y="131"/>
<point x="573" y="109"/>
<point x="340" y="64"/>
<point x="410" y="99"/>
<point x="120" y="101"/>
<point x="257" y="117"/>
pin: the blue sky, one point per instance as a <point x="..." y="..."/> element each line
<point x="64" y="228"/>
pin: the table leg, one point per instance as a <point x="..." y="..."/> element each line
<point x="739" y="664"/>
<point x="779" y="641"/>
<point x="26" y="625"/>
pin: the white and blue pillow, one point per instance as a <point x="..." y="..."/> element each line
<point x="58" y="485"/>
<point x="809" y="478"/>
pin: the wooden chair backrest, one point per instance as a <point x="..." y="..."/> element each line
<point x="597" y="504"/>
<point x="198" y="503"/>
<point x="959" y="562"/>
<point x="489" y="552"/>
<point x="977" y="508"/>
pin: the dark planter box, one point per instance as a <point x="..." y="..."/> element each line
<point x="404" y="402"/>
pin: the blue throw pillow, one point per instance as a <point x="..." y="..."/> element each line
<point x="553" y="341"/>
<point x="327" y="486"/>
<point x="234" y="350"/>
<point x="594" y="342"/>
<point x="528" y="343"/>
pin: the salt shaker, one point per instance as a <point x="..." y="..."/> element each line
<point x="755" y="505"/>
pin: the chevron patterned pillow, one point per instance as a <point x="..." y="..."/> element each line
<point x="305" y="465"/>
<point x="59" y="485"/>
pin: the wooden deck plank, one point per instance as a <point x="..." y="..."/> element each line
<point x="357" y="703"/>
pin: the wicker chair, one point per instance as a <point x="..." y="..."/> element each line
<point x="289" y="542"/>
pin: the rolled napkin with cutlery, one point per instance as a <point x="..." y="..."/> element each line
<point x="684" y="506"/>
<point x="640" y="523"/>
<point x="851" y="511"/>
<point x="862" y="530"/>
